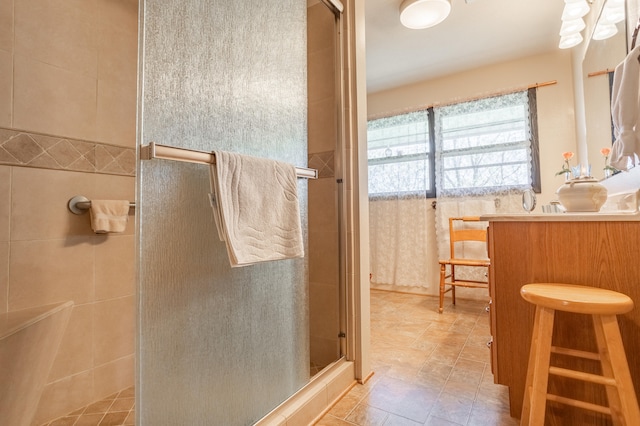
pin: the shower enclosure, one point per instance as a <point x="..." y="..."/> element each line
<point x="221" y="345"/>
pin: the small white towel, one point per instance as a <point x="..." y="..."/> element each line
<point x="255" y="206"/>
<point x="625" y="110"/>
<point x="109" y="215"/>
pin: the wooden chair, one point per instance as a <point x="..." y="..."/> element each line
<point x="458" y="234"/>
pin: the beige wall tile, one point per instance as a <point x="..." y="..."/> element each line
<point x="115" y="266"/>
<point x="323" y="323"/>
<point x="322" y="21"/>
<point x="322" y="78"/>
<point x="324" y="351"/>
<point x="118" y="54"/>
<point x="6" y="25"/>
<point x="116" y="114"/>
<point x="6" y="86"/>
<point x="49" y="271"/>
<point x="323" y="310"/>
<point x="40" y="199"/>
<point x="113" y="377"/>
<point x="75" y="353"/>
<point x="110" y="187"/>
<point x="122" y="14"/>
<point x="4" y="275"/>
<point x="114" y="324"/>
<point x="322" y="125"/>
<point x="60" y="33"/>
<point x="64" y="396"/>
<point x="5" y="202"/>
<point x="117" y="72"/>
<point x="323" y="214"/>
<point x="53" y="100"/>
<point x="323" y="257"/>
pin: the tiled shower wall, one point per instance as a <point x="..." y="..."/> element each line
<point x="67" y="127"/>
<point x="323" y="212"/>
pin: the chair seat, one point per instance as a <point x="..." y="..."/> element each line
<point x="577" y="299"/>
<point x="465" y="262"/>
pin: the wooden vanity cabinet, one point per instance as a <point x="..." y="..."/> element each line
<point x="602" y="254"/>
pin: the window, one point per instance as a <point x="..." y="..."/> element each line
<point x="482" y="146"/>
<point x="485" y="145"/>
<point x="400" y="153"/>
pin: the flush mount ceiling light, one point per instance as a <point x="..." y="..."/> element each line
<point x="419" y="14"/>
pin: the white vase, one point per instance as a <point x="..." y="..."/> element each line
<point x="582" y="195"/>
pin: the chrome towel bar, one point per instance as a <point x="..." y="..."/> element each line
<point x="80" y="204"/>
<point x="165" y="152"/>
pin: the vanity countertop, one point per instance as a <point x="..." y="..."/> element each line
<point x="562" y="217"/>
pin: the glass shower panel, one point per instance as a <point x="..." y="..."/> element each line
<point x="217" y="345"/>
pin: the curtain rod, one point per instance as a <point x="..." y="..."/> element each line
<point x="459" y="101"/>
<point x="166" y="152"/>
<point x="596" y="73"/>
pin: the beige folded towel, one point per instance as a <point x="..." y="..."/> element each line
<point x="255" y="206"/>
<point x="109" y="215"/>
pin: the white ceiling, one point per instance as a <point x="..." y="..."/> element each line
<point x="476" y="33"/>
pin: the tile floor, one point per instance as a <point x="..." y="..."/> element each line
<point x="115" y="410"/>
<point x="430" y="369"/>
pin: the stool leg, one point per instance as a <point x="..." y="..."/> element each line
<point x="622" y="398"/>
<point x="535" y="391"/>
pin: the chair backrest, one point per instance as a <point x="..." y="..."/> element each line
<point x="458" y="234"/>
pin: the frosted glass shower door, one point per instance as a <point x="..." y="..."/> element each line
<point x="217" y="345"/>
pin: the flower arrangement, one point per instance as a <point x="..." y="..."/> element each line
<point x="576" y="172"/>
<point x="566" y="168"/>
<point x="608" y="169"/>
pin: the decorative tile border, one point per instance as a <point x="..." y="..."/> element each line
<point x="323" y="162"/>
<point x="19" y="148"/>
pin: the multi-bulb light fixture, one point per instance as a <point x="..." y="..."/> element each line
<point x="573" y="22"/>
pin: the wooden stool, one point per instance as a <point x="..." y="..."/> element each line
<point x="603" y="305"/>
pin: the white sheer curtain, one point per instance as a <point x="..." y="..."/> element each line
<point x="402" y="231"/>
<point x="402" y="237"/>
